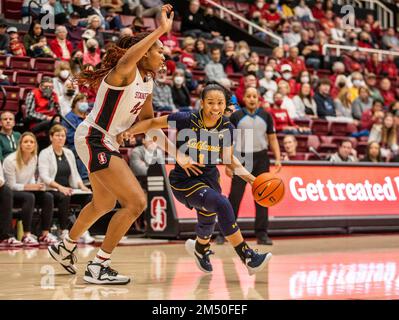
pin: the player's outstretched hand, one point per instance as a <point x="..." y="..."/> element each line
<point x="165" y="22"/>
<point x="277" y="165"/>
<point x="188" y="164"/>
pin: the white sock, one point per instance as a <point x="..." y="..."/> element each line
<point x="69" y="243"/>
<point x="101" y="256"/>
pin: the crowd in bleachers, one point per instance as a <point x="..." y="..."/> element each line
<point x="325" y="107"/>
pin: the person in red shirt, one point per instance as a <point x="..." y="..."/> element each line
<point x="282" y="121"/>
<point x="61" y="47"/>
<point x="42" y="106"/>
<point x="257" y="10"/>
<point x="317" y="10"/>
<point x="373" y="64"/>
<point x="365" y="40"/>
<point x="328" y="21"/>
<point x="271" y="18"/>
<point x="297" y="64"/>
<point x="372" y="116"/>
<point x="171" y="41"/>
<point x="389" y="68"/>
<point x="387" y="92"/>
<point x="187" y="55"/>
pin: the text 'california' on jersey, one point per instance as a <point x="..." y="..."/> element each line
<point x="204" y="145"/>
<point x="116" y="108"/>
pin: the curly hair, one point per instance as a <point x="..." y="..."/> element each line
<point x="93" y="78"/>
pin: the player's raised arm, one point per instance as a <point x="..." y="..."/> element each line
<point x="125" y="71"/>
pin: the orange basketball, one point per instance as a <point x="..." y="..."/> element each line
<point x="268" y="189"/>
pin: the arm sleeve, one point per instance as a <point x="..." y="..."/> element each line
<point x="44" y="168"/>
<point x="137" y="164"/>
<point x="179" y="120"/>
<point x="269" y="122"/>
<point x="10" y="175"/>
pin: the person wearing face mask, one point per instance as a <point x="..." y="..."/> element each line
<point x="42" y="106"/>
<point x="66" y="100"/>
<point x="92" y="53"/>
<point x="257" y="10"/>
<point x="180" y="92"/>
<point x="357" y="82"/>
<point x="297" y="64"/>
<point x="71" y="121"/>
<point x="272" y="16"/>
<point x="61" y="74"/>
<point x="267" y="82"/>
<point x="286" y="75"/>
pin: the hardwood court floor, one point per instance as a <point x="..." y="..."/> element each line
<point x="350" y="267"/>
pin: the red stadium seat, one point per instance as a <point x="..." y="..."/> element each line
<point x="11" y="75"/>
<point x="242" y="7"/>
<point x="23" y="63"/>
<point x="12" y="98"/>
<point x="303" y="123"/>
<point x="126" y="20"/>
<point x="339" y="129"/>
<point x="302" y="143"/>
<point x="176" y="27"/>
<point x="12" y="9"/>
<point x="320" y="127"/>
<point x="3" y="62"/>
<point x="44" y="64"/>
<point x="150" y="24"/>
<point x="361" y="147"/>
<point x="313" y="157"/>
<point x="231" y="5"/>
<point x="27" y="78"/>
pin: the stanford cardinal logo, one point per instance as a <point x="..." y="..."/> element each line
<point x="102" y="159"/>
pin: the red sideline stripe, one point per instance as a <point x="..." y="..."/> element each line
<point x="88" y="146"/>
<point x="102" y="106"/>
<point x="114" y="109"/>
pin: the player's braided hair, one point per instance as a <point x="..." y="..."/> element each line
<point x="93" y="78"/>
<point x="212" y="86"/>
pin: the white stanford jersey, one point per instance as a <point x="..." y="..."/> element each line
<point x="116" y="108"/>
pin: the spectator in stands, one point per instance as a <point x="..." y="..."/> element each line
<point x="365" y="40"/>
<point x="212" y="25"/>
<point x="371" y="83"/>
<point x="268" y="83"/>
<point x="62" y="73"/>
<point x="288" y="104"/>
<point x="373" y="64"/>
<point x="180" y="92"/>
<point x="385" y="133"/>
<point x="71" y="121"/>
<point x="9" y="138"/>
<point x="95" y="9"/>
<point x="257" y="10"/>
<point x="293" y="37"/>
<point x="115" y="5"/>
<point x="318" y="11"/>
<point x="390" y="41"/>
<point x="7" y="239"/>
<point x="4" y="37"/>
<point x="138" y="25"/>
<point x="303" y="12"/>
<point x="304" y="103"/>
<point x="57" y="169"/>
<point x="271" y="17"/>
<point x="65" y="101"/>
<point x="286" y="75"/>
<point x="354" y="61"/>
<point x="171" y="41"/>
<point x="45" y="50"/>
<point x="162" y="98"/>
<point x="32" y="38"/>
<point x="254" y="60"/>
<point x="373" y="152"/>
<point x="248" y="81"/>
<point x="346" y="153"/>
<point x="194" y="23"/>
<point x="42" y="106"/>
<point x="325" y="104"/>
<point x="310" y="51"/>
<point x="112" y="18"/>
<point x="282" y="120"/>
<point x="92" y="54"/>
<point x="74" y="30"/>
<point x="187" y="55"/>
<point x="16" y="47"/>
<point x="296" y="63"/>
<point x="201" y="53"/>
<point x="19" y="172"/>
<point x="214" y="69"/>
<point x="61" y="47"/>
<point x="152" y="8"/>
<point x="229" y="58"/>
<point x="373" y="115"/>
<point x="343" y="105"/>
<point x="134" y="8"/>
<point x="337" y="31"/>
<point x="290" y="145"/>
<point x="386" y="92"/>
<point x="362" y="103"/>
<point x="94" y="23"/>
<point x="388" y="67"/>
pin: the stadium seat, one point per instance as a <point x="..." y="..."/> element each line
<point x="44" y="64"/>
<point x="302" y="143"/>
<point x="361" y="147"/>
<point x="313" y="141"/>
<point x="150" y="24"/>
<point x="320" y="127"/>
<point x="303" y="122"/>
<point x="12" y="98"/>
<point x="27" y="78"/>
<point x="339" y="129"/>
<point x="313" y="157"/>
<point x="11" y="75"/>
<point x="231" y="5"/>
<point x="23" y="63"/>
<point x="126" y="20"/>
<point x="12" y="9"/>
<point x="242" y="7"/>
<point x="176" y="27"/>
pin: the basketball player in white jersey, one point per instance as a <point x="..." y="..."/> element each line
<point x="125" y="85"/>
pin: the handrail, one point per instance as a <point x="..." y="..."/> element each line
<point x="352" y="48"/>
<point x="250" y="24"/>
<point x="384" y="14"/>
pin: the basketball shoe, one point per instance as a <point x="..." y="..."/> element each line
<point x="202" y="260"/>
<point x="254" y="261"/>
<point x="102" y="273"/>
<point x="65" y="257"/>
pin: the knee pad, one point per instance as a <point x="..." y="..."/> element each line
<point x="206" y="225"/>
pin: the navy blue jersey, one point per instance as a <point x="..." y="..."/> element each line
<point x="204" y="145"/>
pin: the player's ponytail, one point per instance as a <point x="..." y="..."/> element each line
<point x="93" y="78"/>
<point x="215" y="86"/>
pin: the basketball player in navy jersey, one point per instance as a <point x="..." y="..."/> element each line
<point x="124" y="91"/>
<point x="208" y="137"/>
